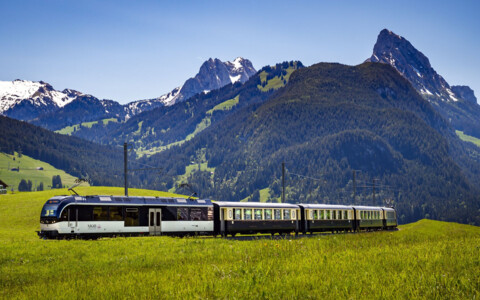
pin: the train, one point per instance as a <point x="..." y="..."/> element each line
<point x="92" y="217"/>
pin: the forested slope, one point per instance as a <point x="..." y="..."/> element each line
<point x="101" y="164"/>
<point x="328" y="121"/>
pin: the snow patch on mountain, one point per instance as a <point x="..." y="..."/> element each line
<point x="213" y="74"/>
<point x="33" y="93"/>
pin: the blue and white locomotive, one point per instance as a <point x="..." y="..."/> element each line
<point x="99" y="216"/>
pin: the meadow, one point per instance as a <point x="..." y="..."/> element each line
<point x="423" y="260"/>
<point x="28" y="170"/>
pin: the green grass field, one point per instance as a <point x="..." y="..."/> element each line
<point x="423" y="260"/>
<point x="69" y="129"/>
<point x="226" y="105"/>
<point x="28" y="171"/>
<point x="468" y="138"/>
<point x="276" y="82"/>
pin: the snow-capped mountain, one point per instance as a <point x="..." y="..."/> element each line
<point x="457" y="104"/>
<point x="25" y="100"/>
<point x="40" y="104"/>
<point x="213" y="74"/>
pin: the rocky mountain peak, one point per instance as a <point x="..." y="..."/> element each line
<point x="213" y="74"/>
<point x="465" y="93"/>
<point x="457" y="104"/>
<point x="25" y="100"/>
<point x="398" y="52"/>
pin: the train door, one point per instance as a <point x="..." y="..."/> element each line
<point x="155" y="221"/>
<point x="72" y="217"/>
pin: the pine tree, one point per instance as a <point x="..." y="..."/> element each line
<point x="40" y="187"/>
<point x="23" y="186"/>
<point x="56" y="182"/>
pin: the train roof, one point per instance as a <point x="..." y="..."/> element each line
<point x="388" y="208"/>
<point x="130" y="200"/>
<point x="326" y="206"/>
<point x="255" y="204"/>
<point x="367" y="207"/>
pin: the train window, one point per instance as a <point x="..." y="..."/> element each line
<point x="310" y="214"/>
<point x="210" y="214"/>
<point x="131" y="217"/>
<point x="286" y="214"/>
<point x="327" y="214"/>
<point x="340" y="215"/>
<point x="294" y="214"/>
<point x="116" y="213"/>
<point x="248" y="214"/>
<point x="322" y="214"/>
<point x="315" y="214"/>
<point x="230" y="213"/>
<point x="169" y="213"/>
<point x="197" y="214"/>
<point x="182" y="213"/>
<point x="100" y="213"/>
<point x="268" y="214"/>
<point x="152" y="217"/>
<point x="158" y="218"/>
<point x="237" y="212"/>
<point x="258" y="214"/>
<point x="334" y="214"/>
<point x="277" y="214"/>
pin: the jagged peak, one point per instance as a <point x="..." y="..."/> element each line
<point x="386" y="32"/>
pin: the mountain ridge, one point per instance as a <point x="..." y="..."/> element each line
<point x="40" y="104"/>
<point x="457" y="104"/>
<point x="329" y="120"/>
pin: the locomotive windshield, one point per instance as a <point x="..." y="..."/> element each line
<point x="50" y="208"/>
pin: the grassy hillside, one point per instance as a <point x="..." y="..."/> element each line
<point x="468" y="138"/>
<point x="80" y="158"/>
<point x="277" y="81"/>
<point x="69" y="129"/>
<point x="427" y="259"/>
<point x="28" y="170"/>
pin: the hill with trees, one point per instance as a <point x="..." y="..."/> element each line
<point x="327" y="122"/>
<point x="100" y="164"/>
<point x="155" y="130"/>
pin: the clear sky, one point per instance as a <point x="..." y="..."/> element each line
<point x="131" y="50"/>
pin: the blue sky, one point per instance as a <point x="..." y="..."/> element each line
<point x="131" y="50"/>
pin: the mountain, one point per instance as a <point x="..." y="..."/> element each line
<point x="25" y="100"/>
<point x="103" y="165"/>
<point x="328" y="121"/>
<point x="213" y="74"/>
<point x="456" y="103"/>
<point x="156" y="129"/>
<point x="42" y="105"/>
<point x="85" y="108"/>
